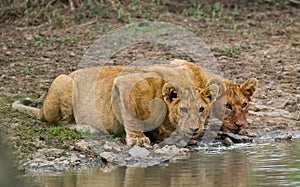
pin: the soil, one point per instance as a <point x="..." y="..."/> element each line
<point x="258" y="39"/>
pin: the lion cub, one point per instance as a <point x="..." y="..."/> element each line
<point x="232" y="104"/>
<point x="128" y="100"/>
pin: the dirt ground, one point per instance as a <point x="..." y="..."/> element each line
<point x="258" y="39"/>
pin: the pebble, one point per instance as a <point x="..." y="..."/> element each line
<point x="8" y="53"/>
<point x="138" y="152"/>
<point x="171" y="150"/>
<point x="108" y="156"/>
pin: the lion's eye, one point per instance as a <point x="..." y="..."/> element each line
<point x="201" y="109"/>
<point x="228" y="106"/>
<point x="184" y="110"/>
<point x="244" y="105"/>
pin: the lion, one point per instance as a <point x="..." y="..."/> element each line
<point x="128" y="101"/>
<point x="232" y="105"/>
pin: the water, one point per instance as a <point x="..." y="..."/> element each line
<point x="264" y="163"/>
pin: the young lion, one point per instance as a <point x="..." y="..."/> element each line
<point x="234" y="98"/>
<point x="130" y="100"/>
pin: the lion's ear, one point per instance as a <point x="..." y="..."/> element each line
<point x="249" y="87"/>
<point x="218" y="82"/>
<point x="170" y="91"/>
<point x="210" y="92"/>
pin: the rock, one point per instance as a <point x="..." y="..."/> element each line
<point x="138" y="152"/>
<point x="81" y="146"/>
<point x="8" y="53"/>
<point x="108" y="156"/>
<point x="75" y="160"/>
<point x="86" y="129"/>
<point x="227" y="141"/>
<point x="246" y="132"/>
<point x="235" y="138"/>
<point x="170" y="150"/>
<point x="193" y="142"/>
<point x="284" y="137"/>
<point x="208" y="137"/>
<point x="111" y="146"/>
<point x="72" y="54"/>
<point x="176" y="139"/>
<point x="107" y="147"/>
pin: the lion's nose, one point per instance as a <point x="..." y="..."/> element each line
<point x="239" y="125"/>
<point x="194" y="129"/>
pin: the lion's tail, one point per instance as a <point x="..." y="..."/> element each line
<point x="21" y="106"/>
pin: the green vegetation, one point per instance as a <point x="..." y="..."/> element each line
<point x="58" y="136"/>
<point x="4" y="62"/>
<point x="233" y="50"/>
<point x="204" y="10"/>
<point x="91" y="9"/>
<point x="33" y="96"/>
<point x="249" y="34"/>
<point x="41" y="40"/>
<point x="27" y="69"/>
<point x="63" y="133"/>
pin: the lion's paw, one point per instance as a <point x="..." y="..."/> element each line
<point x="139" y="141"/>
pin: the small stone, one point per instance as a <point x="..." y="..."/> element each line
<point x="111" y="146"/>
<point x="8" y="53"/>
<point x="108" y="156"/>
<point x="138" y="152"/>
<point x="75" y="160"/>
<point x="81" y="156"/>
<point x="284" y="137"/>
<point x="227" y="141"/>
<point x="171" y="150"/>
<point x="193" y="142"/>
<point x="235" y="138"/>
<point x="72" y="54"/>
<point x="81" y="146"/>
<point x="107" y="147"/>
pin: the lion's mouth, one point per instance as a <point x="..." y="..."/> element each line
<point x="195" y="134"/>
<point x="232" y="128"/>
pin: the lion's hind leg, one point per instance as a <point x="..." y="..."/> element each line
<point x="57" y="106"/>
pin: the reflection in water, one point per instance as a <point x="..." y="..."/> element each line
<point x="278" y="165"/>
<point x="261" y="164"/>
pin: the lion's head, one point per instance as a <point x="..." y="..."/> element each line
<point x="189" y="107"/>
<point x="237" y="104"/>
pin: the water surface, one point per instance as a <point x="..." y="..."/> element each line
<point x="264" y="163"/>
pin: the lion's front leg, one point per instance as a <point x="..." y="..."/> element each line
<point x="136" y="138"/>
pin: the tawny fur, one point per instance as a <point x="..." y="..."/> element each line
<point x="100" y="97"/>
<point x="232" y="105"/>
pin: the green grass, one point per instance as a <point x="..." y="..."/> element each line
<point x="90" y="9"/>
<point x="63" y="133"/>
<point x="27" y="69"/>
<point x="30" y="131"/>
<point x="4" y="62"/>
<point x="70" y="39"/>
<point x="202" y="10"/>
<point x="39" y="40"/>
<point x="53" y="39"/>
<point x="2" y="100"/>
<point x="5" y="102"/>
<point x="233" y="50"/>
<point x="249" y="34"/>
